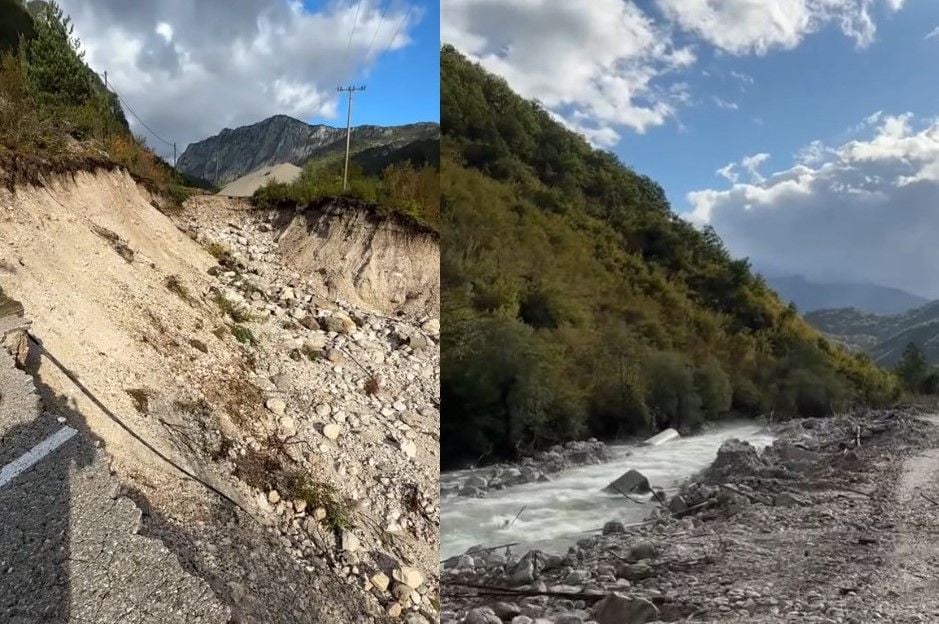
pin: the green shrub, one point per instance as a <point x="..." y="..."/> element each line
<point x="243" y="335"/>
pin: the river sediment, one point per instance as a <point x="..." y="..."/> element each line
<point x="831" y="523"/>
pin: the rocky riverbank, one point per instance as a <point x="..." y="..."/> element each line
<point x="537" y="467"/>
<point x="816" y="528"/>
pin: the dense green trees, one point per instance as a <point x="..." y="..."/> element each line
<point x="577" y="303"/>
<point x="401" y="187"/>
<point x="915" y="372"/>
<point x="55" y="112"/>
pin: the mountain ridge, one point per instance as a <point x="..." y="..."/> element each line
<point x="810" y="295"/>
<point x="883" y="337"/>
<point x="283" y="139"/>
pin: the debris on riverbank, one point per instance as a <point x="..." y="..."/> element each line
<point x="803" y="531"/>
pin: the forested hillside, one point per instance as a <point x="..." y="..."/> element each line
<point x="576" y="303"/>
<point x="55" y="113"/>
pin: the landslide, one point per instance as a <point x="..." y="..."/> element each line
<point x="387" y="262"/>
<point x="229" y="372"/>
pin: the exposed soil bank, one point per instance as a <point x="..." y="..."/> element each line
<point x="386" y="262"/>
<point x="814" y="529"/>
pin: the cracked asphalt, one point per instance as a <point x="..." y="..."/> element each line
<point x="70" y="551"/>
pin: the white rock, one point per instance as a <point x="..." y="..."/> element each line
<point x="409" y="448"/>
<point x="277" y="406"/>
<point x="409" y="576"/>
<point x="332" y="431"/>
<point x="380" y="580"/>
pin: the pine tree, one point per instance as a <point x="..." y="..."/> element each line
<point x="913" y="369"/>
<point x="54" y="60"/>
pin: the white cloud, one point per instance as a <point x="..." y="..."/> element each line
<point x="725" y="104"/>
<point x="729" y="172"/>
<point x="603" y="66"/>
<point x="164" y="30"/>
<point x="191" y="68"/>
<point x="866" y="210"/>
<point x="745" y="79"/>
<point x="597" y="64"/>
<point x="758" y="26"/>
<point x="933" y="33"/>
<point x="752" y="165"/>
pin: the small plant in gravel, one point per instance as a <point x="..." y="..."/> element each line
<point x="372" y="385"/>
<point x="320" y="495"/>
<point x="243" y="335"/>
<point x="141" y="399"/>
<point x="175" y="286"/>
<point x="221" y="253"/>
<point x="239" y="315"/>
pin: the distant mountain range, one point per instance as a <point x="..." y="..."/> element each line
<point x="810" y="296"/>
<point x="282" y="139"/>
<point x="883" y="337"/>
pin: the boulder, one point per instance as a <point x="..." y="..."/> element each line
<point x="642" y="550"/>
<point x="523" y="573"/>
<point x="617" y="609"/>
<point x="735" y="458"/>
<point x="678" y="504"/>
<point x="635" y="571"/>
<point x="339" y="323"/>
<point x="482" y="615"/>
<point x="787" y="499"/>
<point x="630" y="482"/>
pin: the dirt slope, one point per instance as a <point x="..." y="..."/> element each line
<point x="387" y="263"/>
<point x="246" y="185"/>
<point x="225" y="371"/>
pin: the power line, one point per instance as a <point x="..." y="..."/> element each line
<point x="355" y="21"/>
<point x="397" y="30"/>
<point x="381" y="20"/>
<point x="136" y="116"/>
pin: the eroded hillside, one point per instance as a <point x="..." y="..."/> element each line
<point x="280" y="436"/>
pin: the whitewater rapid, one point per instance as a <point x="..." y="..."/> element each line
<point x="559" y="513"/>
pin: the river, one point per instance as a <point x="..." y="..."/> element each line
<point x="564" y="510"/>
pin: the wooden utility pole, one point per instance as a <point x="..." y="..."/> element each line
<point x="350" y="90"/>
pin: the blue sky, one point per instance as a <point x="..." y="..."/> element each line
<point x="820" y="90"/>
<point x="820" y="115"/>
<point x="404" y="85"/>
<point x="190" y="69"/>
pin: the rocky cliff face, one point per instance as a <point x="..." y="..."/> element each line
<point x="282" y="139"/>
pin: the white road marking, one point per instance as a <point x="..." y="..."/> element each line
<point x="35" y="454"/>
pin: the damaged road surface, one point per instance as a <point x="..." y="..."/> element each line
<point x="69" y="547"/>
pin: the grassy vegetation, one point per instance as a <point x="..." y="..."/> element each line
<point x="243" y="335"/>
<point x="175" y="286"/>
<point x="322" y="496"/>
<point x="401" y="187"/>
<point x="55" y="113"/>
<point x="237" y="314"/>
<point x="577" y="303"/>
<point x="141" y="398"/>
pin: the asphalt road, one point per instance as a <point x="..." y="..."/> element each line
<point x="69" y="547"/>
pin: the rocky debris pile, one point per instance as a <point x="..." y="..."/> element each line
<point x="531" y="469"/>
<point x="785" y="534"/>
<point x="342" y="452"/>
